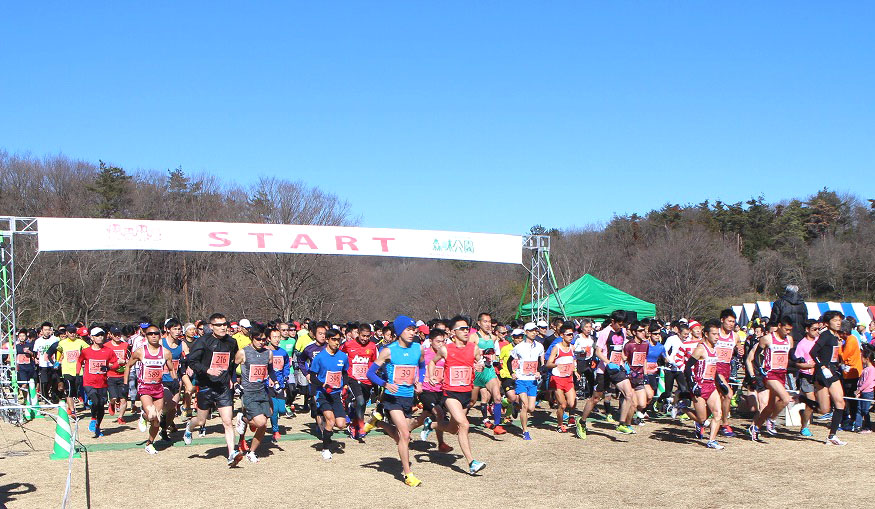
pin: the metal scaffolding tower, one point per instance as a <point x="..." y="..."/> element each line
<point x="10" y="228"/>
<point x="541" y="279"/>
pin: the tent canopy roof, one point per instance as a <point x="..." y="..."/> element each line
<point x="592" y="297"/>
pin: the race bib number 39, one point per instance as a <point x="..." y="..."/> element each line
<point x="459" y="376"/>
<point x="257" y="372"/>
<point x="404" y="375"/>
<point x="220" y="360"/>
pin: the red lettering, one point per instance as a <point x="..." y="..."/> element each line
<point x="384" y="243"/>
<point x="344" y="240"/>
<point x="303" y="239"/>
<point x="222" y="241"/>
<point x="260" y="238"/>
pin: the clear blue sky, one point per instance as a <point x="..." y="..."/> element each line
<point x="544" y="112"/>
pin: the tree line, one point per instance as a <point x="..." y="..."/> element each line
<point x="688" y="259"/>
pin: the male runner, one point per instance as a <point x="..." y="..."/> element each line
<point x="68" y="352"/>
<point x="777" y="347"/>
<point x="402" y="360"/>
<point x="212" y="361"/>
<point x="460" y="356"/>
<point x="432" y="395"/>
<point x="802" y="357"/>
<point x="362" y="353"/>
<point x="327" y="380"/>
<point x="635" y="355"/>
<point x="487" y="378"/>
<point x="48" y="376"/>
<point x="97" y="360"/>
<point x="827" y="370"/>
<point x="727" y="343"/>
<point x="704" y="382"/>
<point x="172" y="342"/>
<point x="255" y="361"/>
<point x="564" y="370"/>
<point x="279" y="377"/>
<point x="115" y="378"/>
<point x="529" y="357"/>
<point x="305" y="357"/>
<point x="154" y="359"/>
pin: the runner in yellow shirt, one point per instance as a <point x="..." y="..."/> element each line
<point x="69" y="348"/>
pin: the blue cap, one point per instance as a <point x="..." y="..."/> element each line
<point x="401" y="322"/>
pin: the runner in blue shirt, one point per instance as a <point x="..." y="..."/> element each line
<point x="327" y="379"/>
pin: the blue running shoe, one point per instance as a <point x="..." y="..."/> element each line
<point x="805" y="432"/>
<point x="526" y="436"/>
<point x="476" y="466"/>
<point x="426" y="429"/>
<point x="92" y="425"/>
<point x="698" y="430"/>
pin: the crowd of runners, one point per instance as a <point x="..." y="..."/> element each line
<point x="437" y="376"/>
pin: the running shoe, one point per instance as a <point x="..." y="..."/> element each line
<point x="707" y="423"/>
<point x="411" y="480"/>
<point x="151" y="449"/>
<point x="98" y="433"/>
<point x="727" y="431"/>
<point x="754" y="432"/>
<point x="640" y="415"/>
<point x="326" y="454"/>
<point x="770" y="427"/>
<point x="834" y="440"/>
<point x="186" y="437"/>
<point x="92" y="425"/>
<point x="499" y="430"/>
<point x="805" y="432"/>
<point x="624" y="429"/>
<point x="865" y="430"/>
<point x="141" y="424"/>
<point x="672" y="410"/>
<point x="375" y="418"/>
<point x="565" y="416"/>
<point x="119" y="421"/>
<point x="163" y="434"/>
<point x="684" y="417"/>
<point x="203" y="431"/>
<point x="712" y="444"/>
<point x="488" y="424"/>
<point x="444" y="447"/>
<point x="252" y="457"/>
<point x="239" y="425"/>
<point x="580" y="429"/>
<point x="276" y="436"/>
<point x="562" y="428"/>
<point x="698" y="431"/>
<point x="111" y="409"/>
<point x="823" y="418"/>
<point x="610" y="418"/>
<point x="235" y="458"/>
<point x="242" y="445"/>
<point x="475" y="466"/>
<point x="526" y="436"/>
<point x="426" y="429"/>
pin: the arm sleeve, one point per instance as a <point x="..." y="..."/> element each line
<point x="374" y="377"/>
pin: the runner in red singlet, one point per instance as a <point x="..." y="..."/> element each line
<point x="727" y="342"/>
<point x="460" y="357"/>
<point x="703" y="362"/>
<point x="362" y="353"/>
<point x="154" y="359"/>
<point x="564" y="370"/>
<point x="777" y="347"/>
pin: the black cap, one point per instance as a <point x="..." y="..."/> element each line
<point x="114" y="330"/>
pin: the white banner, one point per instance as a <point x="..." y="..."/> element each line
<point x="82" y="234"/>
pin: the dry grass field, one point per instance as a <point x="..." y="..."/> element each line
<point x="661" y="466"/>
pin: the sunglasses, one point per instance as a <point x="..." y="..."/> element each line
<point x="153" y="333"/>
<point x="222" y="324"/>
<point x="464" y="327"/>
<point x="568" y="334"/>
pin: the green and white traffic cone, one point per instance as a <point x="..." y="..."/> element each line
<point x="660" y="387"/>
<point x="33" y="400"/>
<point x="63" y="437"/>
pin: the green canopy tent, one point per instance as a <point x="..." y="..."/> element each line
<point x="592" y="297"/>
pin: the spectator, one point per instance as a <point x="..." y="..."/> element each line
<point x="791" y="305"/>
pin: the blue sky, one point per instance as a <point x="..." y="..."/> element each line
<point x="559" y="113"/>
